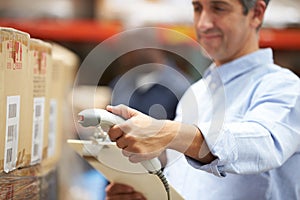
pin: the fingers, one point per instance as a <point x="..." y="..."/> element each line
<point x="121" y="142"/>
<point x="122" y="110"/>
<point x="131" y="196"/>
<point x="116" y="188"/>
<point x="117" y="191"/>
<point x="138" y="157"/>
<point x="126" y="153"/>
<point x="115" y="133"/>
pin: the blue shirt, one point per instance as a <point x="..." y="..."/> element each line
<point x="248" y="111"/>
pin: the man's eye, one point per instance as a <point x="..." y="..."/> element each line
<point x="197" y="8"/>
<point x="218" y="9"/>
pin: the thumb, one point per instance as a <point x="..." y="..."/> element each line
<point x="122" y="110"/>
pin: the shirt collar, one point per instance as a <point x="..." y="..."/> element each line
<point x="241" y="65"/>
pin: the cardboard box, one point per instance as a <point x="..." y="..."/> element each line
<point x="64" y="66"/>
<point x="15" y="81"/>
<point x="40" y="62"/>
<point x="24" y="183"/>
<point x="56" y="99"/>
<point x="29" y="183"/>
<point x="69" y="64"/>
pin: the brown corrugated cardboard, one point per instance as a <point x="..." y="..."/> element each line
<point x="65" y="64"/>
<point x="70" y="64"/>
<point x="56" y="99"/>
<point x="21" y="184"/>
<point x="40" y="63"/>
<point x="14" y="97"/>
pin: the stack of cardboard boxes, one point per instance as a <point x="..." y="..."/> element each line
<point x="33" y="93"/>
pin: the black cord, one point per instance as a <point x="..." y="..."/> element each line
<point x="165" y="182"/>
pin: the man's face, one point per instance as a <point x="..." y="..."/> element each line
<point x="222" y="29"/>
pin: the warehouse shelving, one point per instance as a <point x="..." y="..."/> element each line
<point x="97" y="31"/>
<point x="65" y="30"/>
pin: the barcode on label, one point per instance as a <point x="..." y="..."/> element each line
<point x="11" y="132"/>
<point x="9" y="155"/>
<point x="36" y="150"/>
<point x="52" y="127"/>
<point x="51" y="108"/>
<point x="36" y="131"/>
<point x="38" y="109"/>
<point x="12" y="110"/>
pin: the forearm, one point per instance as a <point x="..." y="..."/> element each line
<point x="248" y="147"/>
<point x="189" y="140"/>
<point x="146" y="137"/>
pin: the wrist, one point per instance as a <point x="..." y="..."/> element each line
<point x="183" y="136"/>
<point x="188" y="139"/>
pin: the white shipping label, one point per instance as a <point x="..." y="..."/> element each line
<point x="12" y="133"/>
<point x="52" y="127"/>
<point x="37" y="130"/>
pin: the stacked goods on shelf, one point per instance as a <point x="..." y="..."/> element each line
<point x="29" y="183"/>
<point x="40" y="55"/>
<point x="15" y="96"/>
<point x="55" y="115"/>
<point x="14" y="187"/>
<point x="21" y="184"/>
<point x="64" y="66"/>
<point x="34" y="89"/>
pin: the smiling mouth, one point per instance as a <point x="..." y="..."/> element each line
<point x="209" y="34"/>
<point x="207" y="37"/>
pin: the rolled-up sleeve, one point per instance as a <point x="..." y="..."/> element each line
<point x="260" y="139"/>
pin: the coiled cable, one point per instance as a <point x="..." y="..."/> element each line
<point x="164" y="180"/>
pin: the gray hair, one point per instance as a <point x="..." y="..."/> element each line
<point x="248" y="4"/>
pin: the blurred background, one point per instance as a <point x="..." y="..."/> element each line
<point x="80" y="25"/>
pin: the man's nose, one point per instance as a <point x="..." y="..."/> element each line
<point x="204" y="21"/>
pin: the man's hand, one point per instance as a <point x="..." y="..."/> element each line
<point x="141" y="137"/>
<point x="117" y="191"/>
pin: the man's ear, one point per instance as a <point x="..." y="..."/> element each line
<point x="258" y="14"/>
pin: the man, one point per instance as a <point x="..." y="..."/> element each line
<point x="238" y="127"/>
